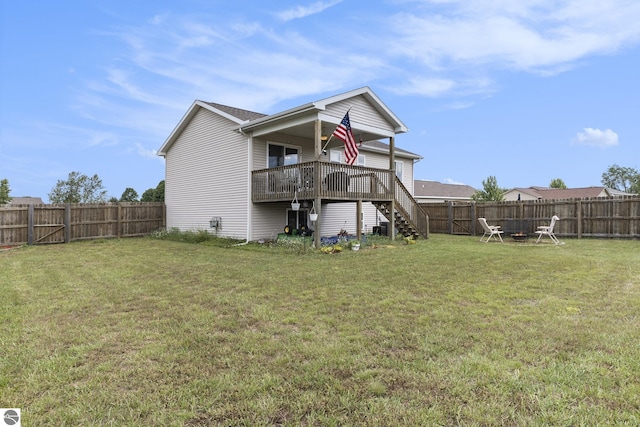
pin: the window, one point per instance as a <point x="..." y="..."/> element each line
<point x="399" y="169"/>
<point x="280" y="155"/>
<point x="336" y="156"/>
<point x="297" y="219"/>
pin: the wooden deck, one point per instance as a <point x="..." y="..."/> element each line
<point x="328" y="181"/>
<point x="337" y="182"/>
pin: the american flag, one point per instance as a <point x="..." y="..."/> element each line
<point x="343" y="132"/>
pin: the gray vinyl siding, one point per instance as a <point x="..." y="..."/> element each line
<point x="361" y="111"/>
<point x="336" y="216"/>
<point x="269" y="219"/>
<point x="206" y="176"/>
<point x="381" y="161"/>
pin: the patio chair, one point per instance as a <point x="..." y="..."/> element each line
<point x="490" y="231"/>
<point x="547" y="230"/>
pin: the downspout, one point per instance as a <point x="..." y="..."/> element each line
<point x="249" y="169"/>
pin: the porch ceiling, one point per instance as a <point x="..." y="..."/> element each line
<point x="307" y="130"/>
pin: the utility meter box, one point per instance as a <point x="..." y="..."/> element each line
<point x="215" y="222"/>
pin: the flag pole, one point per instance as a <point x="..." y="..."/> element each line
<point x="331" y="136"/>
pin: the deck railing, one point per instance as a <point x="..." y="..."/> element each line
<point x="310" y="180"/>
<point x="410" y="209"/>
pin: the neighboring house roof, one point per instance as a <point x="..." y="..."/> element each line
<point x="27" y="200"/>
<point x="545" y="193"/>
<point x="438" y="190"/>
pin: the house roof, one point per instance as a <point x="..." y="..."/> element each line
<point x="298" y="119"/>
<point x="434" y="189"/>
<point x="381" y="147"/>
<point x="244" y="115"/>
<point x="321" y="105"/>
<point x="27" y="200"/>
<point x="545" y="193"/>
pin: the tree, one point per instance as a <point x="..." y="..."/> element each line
<point x="4" y="192"/>
<point x="491" y="192"/>
<point x="622" y="178"/>
<point x="154" y="194"/>
<point x="78" y="188"/>
<point x="129" y="195"/>
<point x="557" y="183"/>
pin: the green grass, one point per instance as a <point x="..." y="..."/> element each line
<point x="447" y="331"/>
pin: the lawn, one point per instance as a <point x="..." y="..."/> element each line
<point x="447" y="331"/>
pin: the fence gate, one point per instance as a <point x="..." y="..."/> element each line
<point x="48" y="224"/>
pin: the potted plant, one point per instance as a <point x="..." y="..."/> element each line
<point x="355" y="245"/>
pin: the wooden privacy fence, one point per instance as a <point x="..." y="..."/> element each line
<point x="63" y="223"/>
<point x="589" y="217"/>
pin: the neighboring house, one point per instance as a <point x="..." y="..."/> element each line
<point x="436" y="192"/>
<point x="545" y="193"/>
<point x="237" y="172"/>
<point x="26" y="201"/>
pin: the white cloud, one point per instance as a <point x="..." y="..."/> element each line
<point x="534" y="35"/>
<point x="452" y="181"/>
<point x="430" y="87"/>
<point x="596" y="138"/>
<point x="444" y="48"/>
<point x="304" y="11"/>
<point x="144" y="152"/>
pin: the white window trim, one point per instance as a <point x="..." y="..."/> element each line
<point x="399" y="171"/>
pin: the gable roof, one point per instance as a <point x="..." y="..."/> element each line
<point x="250" y="121"/>
<point x="322" y="104"/>
<point x="434" y="189"/>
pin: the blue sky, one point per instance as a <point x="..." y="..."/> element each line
<point x="526" y="91"/>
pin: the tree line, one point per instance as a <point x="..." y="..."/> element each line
<point x="615" y="177"/>
<point x="81" y="188"/>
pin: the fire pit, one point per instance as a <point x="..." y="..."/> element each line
<point x="519" y="237"/>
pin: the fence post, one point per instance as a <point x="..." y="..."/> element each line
<point x="30" y="226"/>
<point x="579" y="219"/>
<point x="119" y="221"/>
<point x="473" y="219"/>
<point x="450" y="220"/>
<point x="67" y="222"/>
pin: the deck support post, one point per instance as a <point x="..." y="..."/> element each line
<point x="359" y="219"/>
<point x="317" y="241"/>
<point x="392" y="183"/>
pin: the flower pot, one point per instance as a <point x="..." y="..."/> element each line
<point x="355" y="247"/>
<point x="313" y="217"/>
<point x="295" y="206"/>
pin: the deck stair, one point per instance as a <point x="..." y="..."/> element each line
<point x="403" y="225"/>
<point x="409" y="218"/>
